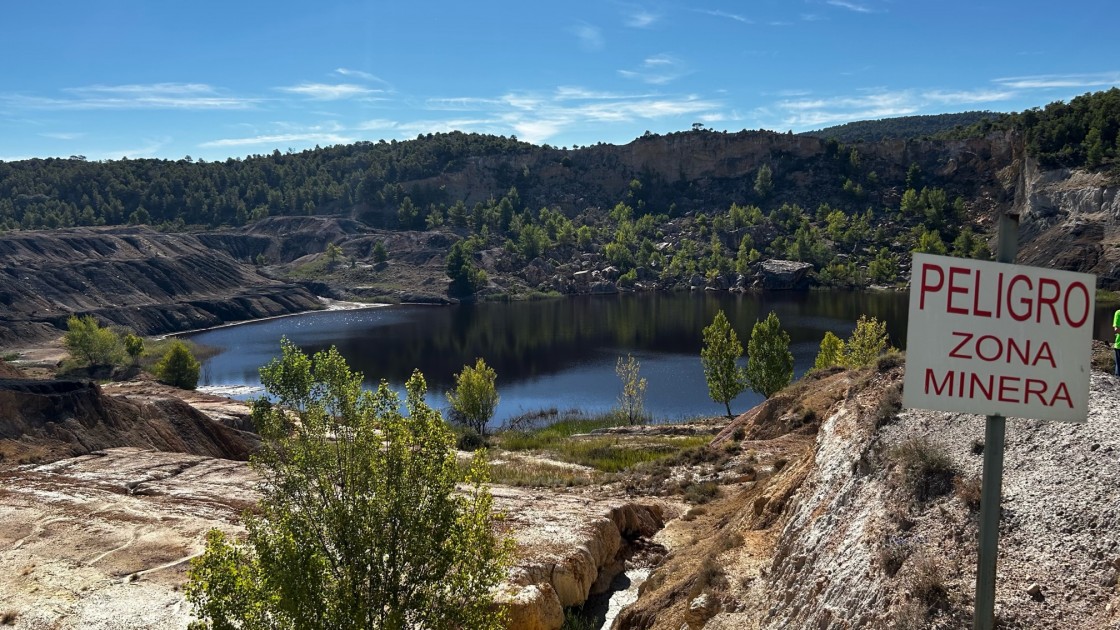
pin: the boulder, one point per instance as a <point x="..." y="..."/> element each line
<point x="784" y="274"/>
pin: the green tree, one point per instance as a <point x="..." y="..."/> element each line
<point x="831" y="352"/>
<point x="764" y="181"/>
<point x="720" y="354"/>
<point x="475" y="395"/>
<point x="359" y="524"/>
<point x="90" y="344"/>
<point x="134" y="346"/>
<point x="633" y="393"/>
<point x="866" y="343"/>
<point x="769" y="361"/>
<point x="178" y="366"/>
<point x="333" y="253"/>
<point x="466" y="279"/>
<point x="380" y="254"/>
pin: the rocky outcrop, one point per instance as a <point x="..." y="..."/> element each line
<point x="1069" y="220"/>
<point x="43" y="420"/>
<point x="120" y="526"/>
<point x="148" y="281"/>
<point x="784" y="275"/>
<point x="572" y="546"/>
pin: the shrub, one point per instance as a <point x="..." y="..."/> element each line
<point x="927" y="583"/>
<point x="889" y="405"/>
<point x="967" y="490"/>
<point x="178" y="367"/>
<point x="359" y="524"/>
<point x="475" y="395"/>
<point x="866" y="342"/>
<point x="90" y="344"/>
<point x="927" y="469"/>
<point x="470" y="440"/>
<point x="701" y="493"/>
<point x="134" y="346"/>
<point x="894" y="553"/>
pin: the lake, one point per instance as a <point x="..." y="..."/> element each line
<point x="558" y="353"/>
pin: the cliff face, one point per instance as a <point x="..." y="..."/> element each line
<point x="47" y="420"/>
<point x="149" y="281"/>
<point x="1070" y="220"/>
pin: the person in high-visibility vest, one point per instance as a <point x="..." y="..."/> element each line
<point x="1116" y="343"/>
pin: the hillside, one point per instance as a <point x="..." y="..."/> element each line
<point x="901" y="127"/>
<point x="459" y="216"/>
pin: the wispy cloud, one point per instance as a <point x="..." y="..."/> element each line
<point x="134" y="96"/>
<point x="657" y="70"/>
<point x="590" y="37"/>
<point x="967" y="97"/>
<point x="329" y="91"/>
<point x="320" y="138"/>
<point x="725" y="14"/>
<point x="811" y="113"/>
<point x="63" y="135"/>
<point x="640" y="18"/>
<point x="540" y="116"/>
<point x="851" y="6"/>
<point x="1046" y="81"/>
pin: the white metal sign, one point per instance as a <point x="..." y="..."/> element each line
<point x="998" y="339"/>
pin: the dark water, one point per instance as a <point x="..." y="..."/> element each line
<point x="558" y="353"/>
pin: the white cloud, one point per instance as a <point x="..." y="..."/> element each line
<point x="851" y="6"/>
<point x="63" y="135"/>
<point x="590" y="37"/>
<point x="657" y="70"/>
<point x="725" y="14"/>
<point x="278" y="139"/>
<point x="1045" y="81"/>
<point x="328" y="91"/>
<point x="641" y="18"/>
<point x="134" y="96"/>
<point x="811" y="113"/>
<point x="965" y="97"/>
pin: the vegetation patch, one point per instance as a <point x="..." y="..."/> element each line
<point x="927" y="470"/>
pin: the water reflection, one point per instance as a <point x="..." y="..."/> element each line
<point x="559" y="352"/>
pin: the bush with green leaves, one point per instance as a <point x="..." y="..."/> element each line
<point x="178" y="367"/>
<point x="359" y="524"/>
<point x="134" y="346"/>
<point x="769" y="361"/>
<point x="632" y="398"/>
<point x="475" y="396"/>
<point x="866" y="343"/>
<point x="720" y="356"/>
<point x="91" y="344"/>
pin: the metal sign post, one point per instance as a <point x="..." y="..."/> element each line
<point x="983" y="617"/>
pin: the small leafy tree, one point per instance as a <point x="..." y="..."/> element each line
<point x="90" y="344"/>
<point x="720" y="354"/>
<point x="764" y="181"/>
<point x="475" y="395"/>
<point x="867" y="342"/>
<point x="178" y="366"/>
<point x="359" y="524"/>
<point x="633" y="393"/>
<point x="134" y="346"/>
<point x="380" y="255"/>
<point x="333" y="253"/>
<point x="769" y="361"/>
<point x="831" y="352"/>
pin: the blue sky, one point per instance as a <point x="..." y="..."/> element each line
<point x="210" y="79"/>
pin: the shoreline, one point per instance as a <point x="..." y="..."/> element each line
<point x="329" y="305"/>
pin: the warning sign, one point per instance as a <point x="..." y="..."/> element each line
<point x="997" y="339"/>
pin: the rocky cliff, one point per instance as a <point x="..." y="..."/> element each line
<point x="43" y="420"/>
<point x="148" y="281"/>
<point x="866" y="517"/>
